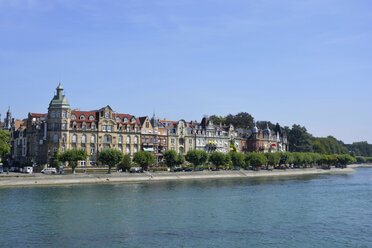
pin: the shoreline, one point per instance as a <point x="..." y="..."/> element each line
<point x="49" y="180"/>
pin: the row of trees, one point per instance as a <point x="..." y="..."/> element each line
<point x="114" y="158"/>
<point x="4" y="143"/>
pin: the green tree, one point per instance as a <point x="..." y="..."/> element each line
<point x="286" y="158"/>
<point x="218" y="159"/>
<point x="110" y="157"/>
<point x="72" y="157"/>
<point x="273" y="158"/>
<point x="180" y="159"/>
<point x="4" y="143"/>
<point x="171" y="158"/>
<point x="196" y="157"/>
<point x="125" y="164"/>
<point x="240" y="120"/>
<point x="256" y="159"/>
<point x="298" y="158"/>
<point x="237" y="159"/>
<point x="144" y="159"/>
<point x="217" y="120"/>
<point x="299" y="139"/>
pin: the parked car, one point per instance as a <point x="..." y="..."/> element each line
<point x="179" y="169"/>
<point x="28" y="169"/>
<point x="1" y="169"/>
<point x="136" y="170"/>
<point x="189" y="169"/>
<point x="49" y="171"/>
<point x="199" y="169"/>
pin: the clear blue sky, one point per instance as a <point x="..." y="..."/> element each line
<point x="304" y="62"/>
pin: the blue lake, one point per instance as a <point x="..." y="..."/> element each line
<point x="315" y="211"/>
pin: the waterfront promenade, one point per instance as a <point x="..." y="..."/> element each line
<point x="18" y="179"/>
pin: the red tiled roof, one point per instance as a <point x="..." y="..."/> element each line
<point x="86" y="114"/>
<point x="37" y="115"/>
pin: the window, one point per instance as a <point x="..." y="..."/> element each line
<point x="93" y="139"/>
<point x="120" y="139"/>
<point x="125" y="119"/>
<point x="144" y="131"/>
<point x="149" y="131"/>
<point x="135" y="140"/>
<point x="82" y="117"/>
<point x="150" y="140"/>
<point x="164" y="133"/>
<point x="83" y="147"/>
<point x="135" y="149"/>
<point x="120" y="148"/>
<point x="136" y="129"/>
<point x="58" y="114"/>
<point x="73" y="117"/>
<point x="83" y="139"/>
<point x="63" y="148"/>
<point x="73" y="146"/>
<point x="92" y="149"/>
<point x="107" y="115"/>
<point x="55" y="138"/>
<point x="147" y="124"/>
<point x="164" y="141"/>
<point x="190" y="141"/>
<point x="91" y="117"/>
<point x="172" y="141"/>
<point x="84" y="126"/>
<point x="93" y="127"/>
<point x="107" y="139"/>
<point x="128" y="149"/>
<point x="103" y="127"/>
<point x="109" y="128"/>
<point x="64" y="125"/>
<point x="117" y="119"/>
<point x="128" y="129"/>
<point x="128" y="140"/>
<point x="53" y="114"/>
<point x="74" y="138"/>
<point x="133" y="119"/>
<point x="64" y="114"/>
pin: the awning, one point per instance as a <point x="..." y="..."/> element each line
<point x="148" y="149"/>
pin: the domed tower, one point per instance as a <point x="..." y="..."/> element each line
<point x="59" y="113"/>
<point x="255" y="131"/>
<point x="267" y="130"/>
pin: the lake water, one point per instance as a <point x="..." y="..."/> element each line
<point x="316" y="211"/>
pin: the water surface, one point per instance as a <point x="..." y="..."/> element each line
<point x="307" y="211"/>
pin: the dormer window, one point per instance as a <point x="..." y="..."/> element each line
<point x="125" y="119"/>
<point x="117" y="119"/>
<point x="91" y="118"/>
<point x="73" y="117"/>
<point x="82" y="117"/>
<point x="133" y="120"/>
<point x="107" y="115"/>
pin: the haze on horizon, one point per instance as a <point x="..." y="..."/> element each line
<point x="293" y="62"/>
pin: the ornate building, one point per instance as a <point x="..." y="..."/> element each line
<point x="266" y="140"/>
<point x="62" y="128"/>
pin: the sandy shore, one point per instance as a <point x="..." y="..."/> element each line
<point x="17" y="179"/>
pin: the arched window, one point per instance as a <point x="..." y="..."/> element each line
<point x="73" y="117"/>
<point x="82" y="117"/>
<point x="128" y="139"/>
<point x="93" y="139"/>
<point x="83" y="139"/>
<point x="55" y="138"/>
<point x="125" y="119"/>
<point x="64" y="125"/>
<point x="120" y="139"/>
<point x="136" y="140"/>
<point x="107" y="139"/>
<point x="91" y="117"/>
<point x="74" y="138"/>
<point x="133" y="120"/>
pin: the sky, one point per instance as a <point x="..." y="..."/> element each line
<point x="306" y="62"/>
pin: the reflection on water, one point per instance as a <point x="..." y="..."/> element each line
<point x="306" y="211"/>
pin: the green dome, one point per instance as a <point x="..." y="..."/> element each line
<point x="59" y="100"/>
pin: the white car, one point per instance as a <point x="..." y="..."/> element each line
<point x="49" y="171"/>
